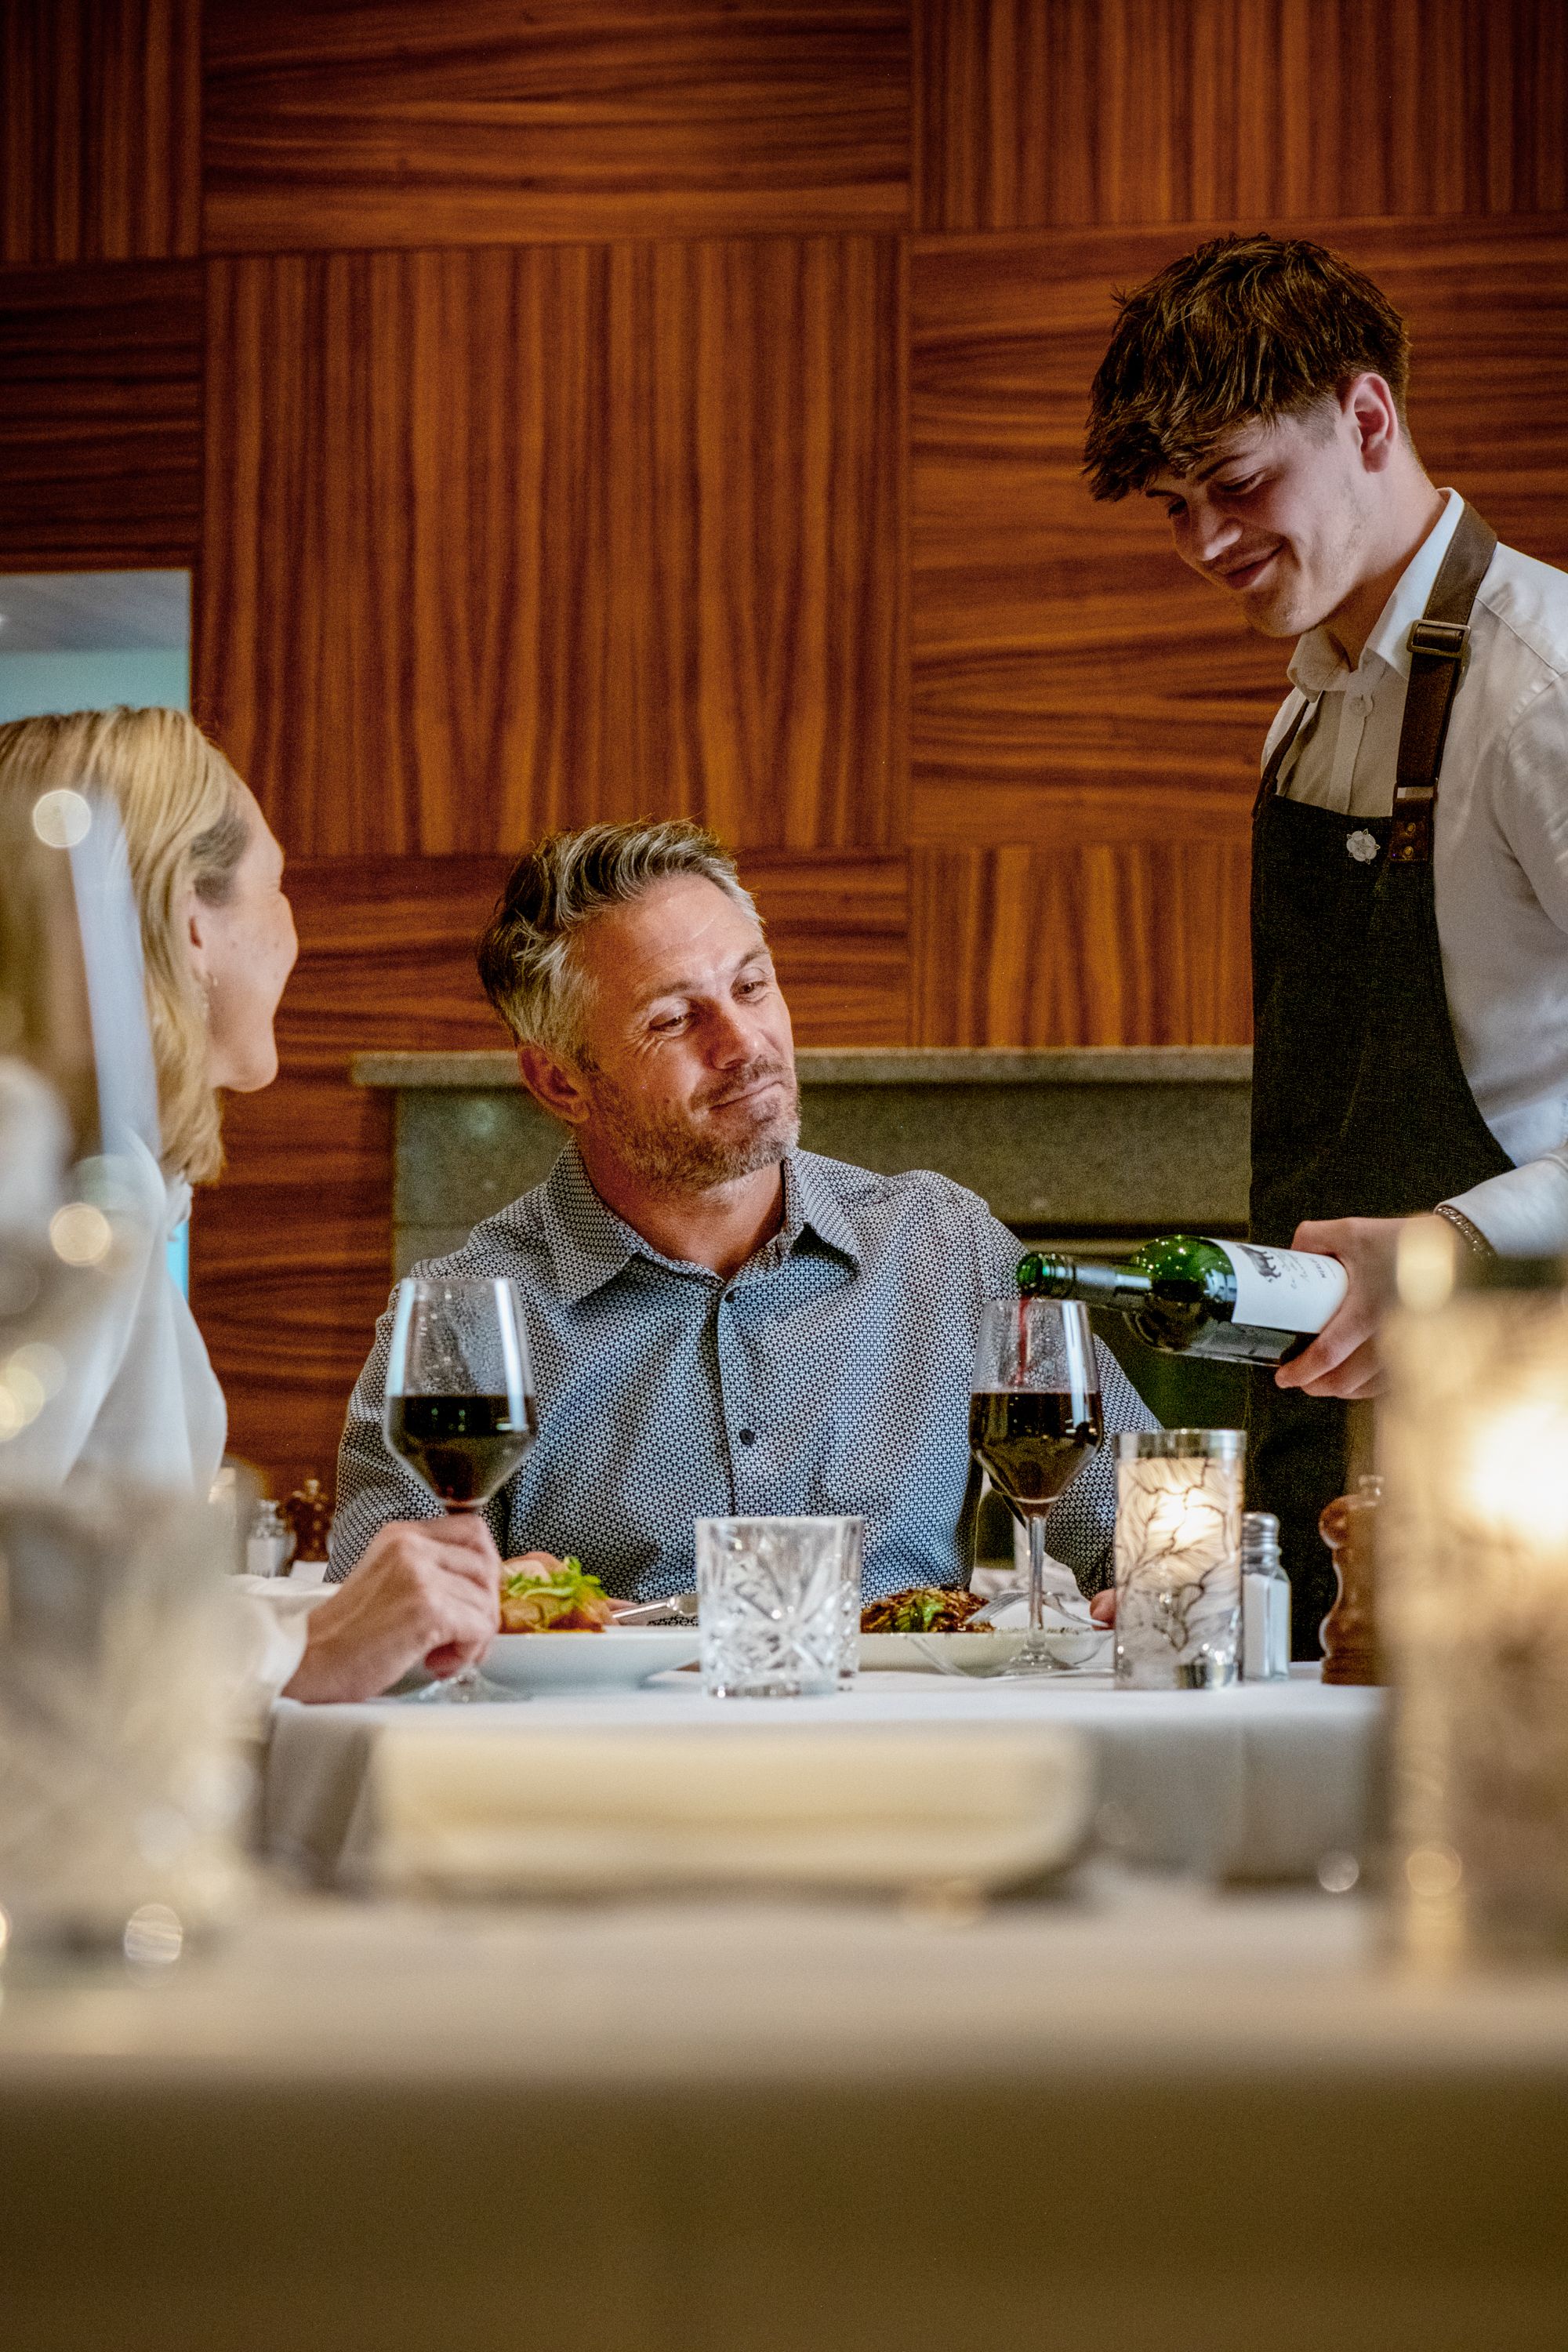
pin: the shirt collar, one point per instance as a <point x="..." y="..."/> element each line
<point x="1317" y="666"/>
<point x="589" y="1244"/>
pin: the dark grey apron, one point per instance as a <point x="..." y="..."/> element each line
<point x="1360" y="1105"/>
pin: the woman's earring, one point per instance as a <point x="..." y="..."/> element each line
<point x="208" y="986"/>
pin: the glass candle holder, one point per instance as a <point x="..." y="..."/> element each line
<point x="771" y="1605"/>
<point x="1178" y="1558"/>
<point x="1473" y="1602"/>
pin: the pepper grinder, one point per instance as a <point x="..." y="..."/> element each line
<point x="309" y="1513"/>
<point x="1349" y="1631"/>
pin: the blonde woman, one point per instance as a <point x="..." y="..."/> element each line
<point x="218" y="945"/>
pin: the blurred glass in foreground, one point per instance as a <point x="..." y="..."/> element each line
<point x="121" y="1785"/>
<point x="1473" y="1600"/>
<point x="121" y="1795"/>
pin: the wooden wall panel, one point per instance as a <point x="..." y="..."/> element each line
<point x="498" y="540"/>
<point x="291" y="1251"/>
<point x="102" y="105"/>
<point x="1072" y="682"/>
<point x="1054" y="113"/>
<point x="403" y="124"/>
<point x="1107" y="944"/>
<point x="100" y="421"/>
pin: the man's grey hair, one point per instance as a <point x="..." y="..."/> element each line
<point x="526" y="960"/>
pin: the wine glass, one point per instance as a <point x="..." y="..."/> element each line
<point x="1034" y="1421"/>
<point x="461" y="1407"/>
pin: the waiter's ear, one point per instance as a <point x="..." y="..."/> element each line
<point x="1369" y="409"/>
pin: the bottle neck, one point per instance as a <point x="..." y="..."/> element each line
<point x="1045" y="1275"/>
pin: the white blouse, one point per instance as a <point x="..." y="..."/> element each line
<point x="138" y="1399"/>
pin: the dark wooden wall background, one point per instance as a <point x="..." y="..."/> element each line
<point x="588" y="408"/>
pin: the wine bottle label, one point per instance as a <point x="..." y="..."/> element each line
<point x="1284" y="1290"/>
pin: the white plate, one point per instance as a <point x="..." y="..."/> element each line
<point x="614" y="1659"/>
<point x="978" y="1653"/>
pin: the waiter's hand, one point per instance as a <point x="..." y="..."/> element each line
<point x="1342" y="1360"/>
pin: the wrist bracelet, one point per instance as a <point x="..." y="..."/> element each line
<point x="1470" y="1234"/>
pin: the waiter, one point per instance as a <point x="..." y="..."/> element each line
<point x="1410" y="838"/>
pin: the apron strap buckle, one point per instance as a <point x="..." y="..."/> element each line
<point x="1443" y="640"/>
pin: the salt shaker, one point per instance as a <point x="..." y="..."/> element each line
<point x="269" y="1544"/>
<point x="1265" y="1601"/>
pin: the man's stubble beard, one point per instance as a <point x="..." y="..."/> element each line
<point x="1309" y="601"/>
<point x="679" y="1155"/>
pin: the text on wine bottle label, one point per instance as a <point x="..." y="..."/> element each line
<point x="1284" y="1290"/>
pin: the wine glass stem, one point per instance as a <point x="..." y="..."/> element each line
<point x="1037" y="1572"/>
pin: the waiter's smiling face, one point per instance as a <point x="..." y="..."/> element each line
<point x="1277" y="515"/>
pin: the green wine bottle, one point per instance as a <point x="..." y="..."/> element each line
<point x="1191" y="1296"/>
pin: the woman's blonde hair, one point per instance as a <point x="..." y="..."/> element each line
<point x="186" y="829"/>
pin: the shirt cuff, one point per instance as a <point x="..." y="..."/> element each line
<point x="269" y="1635"/>
<point x="1524" y="1213"/>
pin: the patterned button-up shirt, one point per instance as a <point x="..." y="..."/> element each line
<point x="831" y="1374"/>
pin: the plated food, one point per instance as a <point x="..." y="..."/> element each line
<point x="557" y="1597"/>
<point x="922" y="1609"/>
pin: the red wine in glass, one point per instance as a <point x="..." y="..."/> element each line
<point x="1033" y="1442"/>
<point x="1035" y="1418"/>
<point x="459" y="1403"/>
<point x="464" y="1447"/>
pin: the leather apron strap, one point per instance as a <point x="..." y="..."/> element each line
<point x="1440" y="648"/>
<point x="1269" y="781"/>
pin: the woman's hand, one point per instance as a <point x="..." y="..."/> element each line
<point x="425" y="1594"/>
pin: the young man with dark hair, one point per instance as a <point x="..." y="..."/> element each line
<point x="1410" y="842"/>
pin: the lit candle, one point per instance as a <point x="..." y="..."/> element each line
<point x="1178" y="1558"/>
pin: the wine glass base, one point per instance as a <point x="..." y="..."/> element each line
<point x="468" y="1689"/>
<point x="1064" y="1649"/>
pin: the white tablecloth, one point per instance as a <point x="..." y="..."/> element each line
<point x="1147" y="2119"/>
<point x="1260" y="1781"/>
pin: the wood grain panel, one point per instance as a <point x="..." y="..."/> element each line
<point x="336" y="125"/>
<point x="101" y="102"/>
<point x="1108" y="944"/>
<point x="1072" y="681"/>
<point x="502" y="539"/>
<point x="291" y="1251"/>
<point x="1051" y="114"/>
<point x="100" y="430"/>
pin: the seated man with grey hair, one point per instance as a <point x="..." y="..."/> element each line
<point x="721" y="1323"/>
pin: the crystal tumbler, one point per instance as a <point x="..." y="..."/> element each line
<point x="1178" y="1558"/>
<point x="851" y="1567"/>
<point x="771" y="1606"/>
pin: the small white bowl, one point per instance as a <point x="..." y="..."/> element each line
<point x="619" y="1658"/>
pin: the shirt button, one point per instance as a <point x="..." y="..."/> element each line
<point x="1359" y="704"/>
<point x="747" y="1436"/>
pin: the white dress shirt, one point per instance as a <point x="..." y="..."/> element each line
<point x="1500" y="848"/>
<point x="138" y="1398"/>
